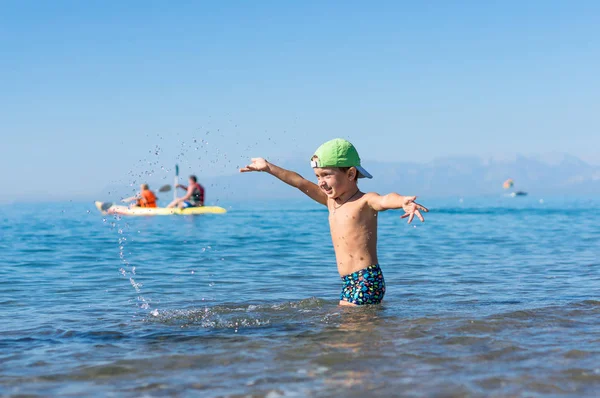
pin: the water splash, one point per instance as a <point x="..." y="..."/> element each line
<point x="127" y="270"/>
<point x="238" y="316"/>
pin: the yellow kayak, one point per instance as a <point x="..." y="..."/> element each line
<point x="110" y="208"/>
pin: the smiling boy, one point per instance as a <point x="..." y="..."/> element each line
<point x="352" y="215"/>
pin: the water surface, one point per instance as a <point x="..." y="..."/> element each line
<point x="490" y="297"/>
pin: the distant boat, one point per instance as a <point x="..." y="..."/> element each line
<point x="511" y="183"/>
<point x="518" y="193"/>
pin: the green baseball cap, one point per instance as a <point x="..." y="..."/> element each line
<point x="338" y="153"/>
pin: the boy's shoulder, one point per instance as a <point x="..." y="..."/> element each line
<point x="370" y="195"/>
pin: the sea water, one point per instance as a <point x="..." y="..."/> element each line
<point x="490" y="297"/>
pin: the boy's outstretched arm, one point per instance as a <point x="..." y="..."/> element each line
<point x="394" y="201"/>
<point x="289" y="177"/>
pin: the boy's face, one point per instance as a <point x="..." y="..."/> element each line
<point x="335" y="182"/>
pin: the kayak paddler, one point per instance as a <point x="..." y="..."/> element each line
<point x="194" y="196"/>
<point x="145" y="198"/>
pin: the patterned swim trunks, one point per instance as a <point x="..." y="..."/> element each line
<point x="366" y="286"/>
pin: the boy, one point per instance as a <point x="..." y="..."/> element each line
<point x="146" y="198"/>
<point x="352" y="215"/>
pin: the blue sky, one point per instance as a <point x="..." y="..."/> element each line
<point x="97" y="93"/>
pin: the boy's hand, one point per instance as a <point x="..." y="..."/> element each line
<point x="412" y="208"/>
<point x="258" y="164"/>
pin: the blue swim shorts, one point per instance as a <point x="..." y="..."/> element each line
<point x="366" y="286"/>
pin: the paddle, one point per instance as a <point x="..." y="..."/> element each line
<point x="165" y="188"/>
<point x="176" y="181"/>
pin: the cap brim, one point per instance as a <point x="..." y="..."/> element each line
<point x="362" y="173"/>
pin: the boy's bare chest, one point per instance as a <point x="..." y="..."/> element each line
<point x="349" y="215"/>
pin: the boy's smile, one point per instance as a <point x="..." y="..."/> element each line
<point x="327" y="189"/>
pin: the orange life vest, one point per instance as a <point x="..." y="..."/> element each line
<point x="148" y="199"/>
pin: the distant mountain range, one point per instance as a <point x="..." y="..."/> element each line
<point x="449" y="176"/>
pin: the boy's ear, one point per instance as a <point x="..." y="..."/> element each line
<point x="352" y="173"/>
